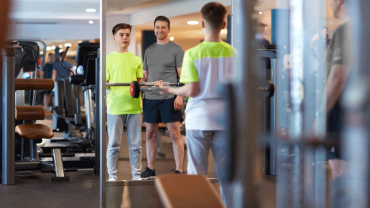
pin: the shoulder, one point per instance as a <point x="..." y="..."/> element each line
<point x="134" y="57"/>
<point x="176" y="46"/>
<point x="151" y="47"/>
<point x="341" y="30"/>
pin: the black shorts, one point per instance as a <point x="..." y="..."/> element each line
<point x="48" y="92"/>
<point x="160" y="111"/>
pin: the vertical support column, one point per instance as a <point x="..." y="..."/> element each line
<point x="245" y="83"/>
<point x="8" y="122"/>
<point x="102" y="104"/>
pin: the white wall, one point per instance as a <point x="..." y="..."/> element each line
<point x="112" y="20"/>
<point x="54" y="31"/>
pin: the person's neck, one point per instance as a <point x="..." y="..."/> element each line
<point x="343" y="14"/>
<point x="211" y="36"/>
<point x="162" y="42"/>
<point x="122" y="50"/>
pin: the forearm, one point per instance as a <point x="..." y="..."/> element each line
<point x="333" y="89"/>
<point x="185" y="91"/>
<point x="145" y="76"/>
<point x="54" y="75"/>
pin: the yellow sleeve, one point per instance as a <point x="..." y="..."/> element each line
<point x="139" y="72"/>
<point x="188" y="72"/>
<point x="108" y="69"/>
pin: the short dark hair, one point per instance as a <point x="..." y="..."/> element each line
<point x="121" y="26"/>
<point x="61" y="54"/>
<point x="162" y="18"/>
<point x="214" y="13"/>
<point x="50" y="54"/>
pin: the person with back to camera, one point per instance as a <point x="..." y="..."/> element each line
<point x="123" y="67"/>
<point x="204" y="67"/>
<point x="162" y="61"/>
<point x="59" y="72"/>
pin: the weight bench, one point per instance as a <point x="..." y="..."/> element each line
<point x="187" y="191"/>
<point x="31" y="131"/>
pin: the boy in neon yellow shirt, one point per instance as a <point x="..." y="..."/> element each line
<point x="123" y="67"/>
<point x="203" y="68"/>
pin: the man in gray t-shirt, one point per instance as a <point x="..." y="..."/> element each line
<point x="162" y="61"/>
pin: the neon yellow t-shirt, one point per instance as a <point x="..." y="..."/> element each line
<point x="123" y="68"/>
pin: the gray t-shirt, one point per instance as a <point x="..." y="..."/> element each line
<point x="339" y="50"/>
<point x="62" y="73"/>
<point x="161" y="61"/>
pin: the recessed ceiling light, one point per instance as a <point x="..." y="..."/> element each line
<point x="67" y="44"/>
<point x="90" y="10"/>
<point x="48" y="48"/>
<point x="172" y="38"/>
<point x="60" y="46"/>
<point x="91" y="22"/>
<point x="193" y="22"/>
<point x="260" y="12"/>
<point x="60" y="50"/>
<point x="53" y="47"/>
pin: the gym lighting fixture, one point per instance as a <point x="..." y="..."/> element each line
<point x="193" y="22"/>
<point x="90" y="10"/>
<point x="172" y="38"/>
<point x="91" y="22"/>
<point x="48" y="48"/>
<point x="53" y="47"/>
<point x="60" y="46"/>
<point x="67" y="44"/>
<point x="260" y="12"/>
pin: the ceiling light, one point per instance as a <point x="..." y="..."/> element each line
<point x="193" y="22"/>
<point x="60" y="50"/>
<point x="53" y="47"/>
<point x="260" y="12"/>
<point x="172" y="38"/>
<point x="91" y="22"/>
<point x="60" y="46"/>
<point x="67" y="44"/>
<point x="90" y="10"/>
<point x="48" y="48"/>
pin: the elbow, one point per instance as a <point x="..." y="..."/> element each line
<point x="193" y="93"/>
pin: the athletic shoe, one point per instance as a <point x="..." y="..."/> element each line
<point x="137" y="178"/>
<point x="176" y="171"/>
<point x="148" y="173"/>
<point x="112" y="179"/>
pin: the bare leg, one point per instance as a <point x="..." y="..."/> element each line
<point x="178" y="144"/>
<point x="46" y="101"/>
<point x="151" y="143"/>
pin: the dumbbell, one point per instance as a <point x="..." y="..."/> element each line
<point x="136" y="87"/>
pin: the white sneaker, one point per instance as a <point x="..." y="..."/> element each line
<point x="112" y="179"/>
<point x="137" y="178"/>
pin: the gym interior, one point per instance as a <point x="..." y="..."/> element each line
<point x="293" y="112"/>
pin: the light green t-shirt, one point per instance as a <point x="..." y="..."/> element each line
<point x="209" y="64"/>
<point x="123" y="68"/>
